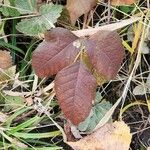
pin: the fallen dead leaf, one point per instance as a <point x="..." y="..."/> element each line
<point x="29" y="101"/>
<point x="122" y="2"/>
<point x="110" y="27"/>
<point x="76" y="8"/>
<point x="115" y="136"/>
<point x="5" y="60"/>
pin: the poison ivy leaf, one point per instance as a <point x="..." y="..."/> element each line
<point x="115" y="136"/>
<point x="97" y="113"/>
<point x="45" y="21"/>
<point x="106" y="53"/>
<point x="26" y="6"/>
<point x="122" y="2"/>
<point x="75" y="85"/>
<point x="75" y="89"/>
<point x="55" y="53"/>
<point x="86" y="59"/>
<point x="77" y="8"/>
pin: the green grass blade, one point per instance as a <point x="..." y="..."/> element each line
<point x="7" y="45"/>
<point x="24" y="124"/>
<point x="35" y="135"/>
<point x="17" y="113"/>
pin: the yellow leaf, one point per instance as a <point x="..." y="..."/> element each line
<point x="137" y="32"/>
<point x="115" y="136"/>
<point x="126" y="45"/>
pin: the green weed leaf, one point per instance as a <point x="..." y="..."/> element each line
<point x="26" y="6"/>
<point x="97" y="113"/>
<point x="9" y="11"/>
<point x="45" y="21"/>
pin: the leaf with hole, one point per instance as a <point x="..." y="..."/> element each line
<point x="75" y="89"/>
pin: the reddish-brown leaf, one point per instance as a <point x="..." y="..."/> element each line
<point x="106" y="53"/>
<point x="75" y="89"/>
<point x="77" y="8"/>
<point x="55" y="53"/>
<point x="122" y="2"/>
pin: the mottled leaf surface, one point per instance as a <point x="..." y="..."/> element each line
<point x="55" y="53"/>
<point x="77" y="8"/>
<point x="106" y="53"/>
<point x="26" y="6"/>
<point x="75" y="89"/>
<point x="34" y="26"/>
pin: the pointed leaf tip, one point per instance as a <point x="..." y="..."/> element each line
<point x="106" y="53"/>
<point x="75" y="89"/>
<point x="55" y="53"/>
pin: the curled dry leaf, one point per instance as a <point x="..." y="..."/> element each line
<point x="75" y="89"/>
<point x="122" y="2"/>
<point x="76" y="8"/>
<point x="5" y="60"/>
<point x="106" y="53"/>
<point x="115" y="136"/>
<point x="55" y="53"/>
